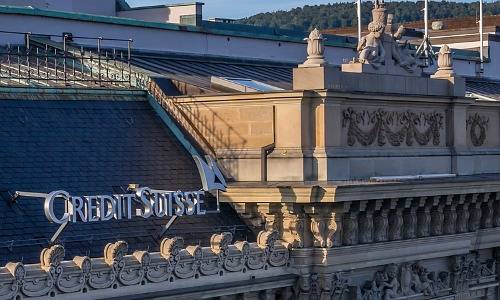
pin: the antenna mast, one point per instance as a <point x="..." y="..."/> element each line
<point x="425" y="49"/>
<point x="358" y="4"/>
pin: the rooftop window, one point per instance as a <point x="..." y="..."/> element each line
<point x="242" y="85"/>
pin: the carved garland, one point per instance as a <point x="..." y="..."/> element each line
<point x="174" y="262"/>
<point x="392" y="127"/>
<point x="477" y="126"/>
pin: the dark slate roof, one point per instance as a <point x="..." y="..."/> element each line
<point x="487" y="89"/>
<point x="89" y="147"/>
<point x="197" y="70"/>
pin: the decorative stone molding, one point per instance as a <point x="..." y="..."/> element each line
<point x="445" y="63"/>
<point x="117" y="269"/>
<point x="392" y="127"/>
<point x="315" y="50"/>
<point x="327" y="225"/>
<point x="477" y="125"/>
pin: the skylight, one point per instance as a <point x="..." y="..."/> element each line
<point x="243" y="84"/>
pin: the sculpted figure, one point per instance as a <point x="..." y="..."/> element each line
<point x="370" y="47"/>
<point x="400" y="53"/>
<point x="406" y="279"/>
<point x="391" y="285"/>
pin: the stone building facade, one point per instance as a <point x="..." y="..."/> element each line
<point x="371" y="181"/>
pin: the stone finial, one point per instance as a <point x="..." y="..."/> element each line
<point x="315" y="50"/>
<point x="445" y="63"/>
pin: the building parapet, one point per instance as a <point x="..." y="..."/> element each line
<point x="116" y="272"/>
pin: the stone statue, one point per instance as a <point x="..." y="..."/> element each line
<point x="381" y="45"/>
<point x="391" y="286"/>
<point x="370" y="47"/>
<point x="399" y="53"/>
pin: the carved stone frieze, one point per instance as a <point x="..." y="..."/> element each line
<point x="117" y="268"/>
<point x="367" y="127"/>
<point x="477" y="125"/>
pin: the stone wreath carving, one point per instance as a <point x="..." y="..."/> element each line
<point x="477" y="126"/>
<point x="392" y="127"/>
<point x="119" y="269"/>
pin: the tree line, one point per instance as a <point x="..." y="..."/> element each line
<point x="336" y="15"/>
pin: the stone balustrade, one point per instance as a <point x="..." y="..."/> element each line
<point x="348" y="223"/>
<point x="146" y="272"/>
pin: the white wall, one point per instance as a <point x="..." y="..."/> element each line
<point x="199" y="43"/>
<point x="96" y="7"/>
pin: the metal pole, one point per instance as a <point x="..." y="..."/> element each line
<point x="64" y="60"/>
<point x="481" y="33"/>
<point x="99" y="58"/>
<point x="426" y="18"/>
<point x="359" y="18"/>
<point x="129" y="56"/>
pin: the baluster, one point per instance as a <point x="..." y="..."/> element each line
<point x="475" y="211"/>
<point x="410" y="218"/>
<point x="396" y="220"/>
<point x="496" y="210"/>
<point x="462" y="215"/>
<point x="350" y="226"/>
<point x="487" y="208"/>
<point x="381" y="221"/>
<point x="424" y="216"/>
<point x="450" y="215"/>
<point x="366" y="222"/>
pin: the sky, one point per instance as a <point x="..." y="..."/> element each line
<point x="236" y="9"/>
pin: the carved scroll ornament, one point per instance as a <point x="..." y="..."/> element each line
<point x="118" y="269"/>
<point x="392" y="127"/>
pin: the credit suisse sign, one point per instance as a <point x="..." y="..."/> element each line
<point x="143" y="202"/>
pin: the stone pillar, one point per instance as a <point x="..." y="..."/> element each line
<point x="350" y="226"/>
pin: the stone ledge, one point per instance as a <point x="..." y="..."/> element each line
<point x="120" y="274"/>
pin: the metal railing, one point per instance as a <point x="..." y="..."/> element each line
<point x="50" y="60"/>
